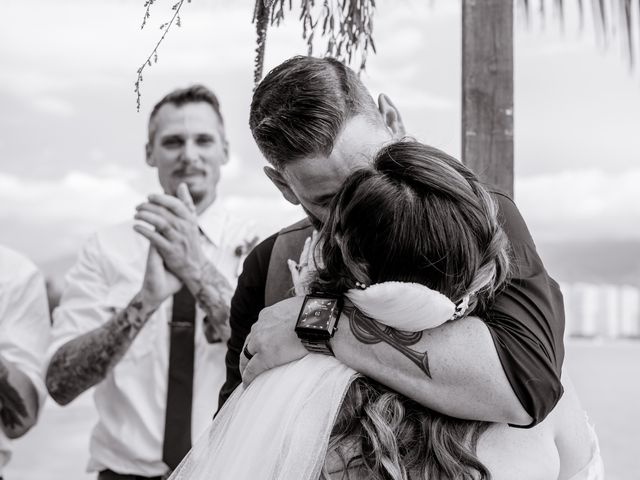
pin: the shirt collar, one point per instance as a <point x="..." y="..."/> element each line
<point x="212" y="222"/>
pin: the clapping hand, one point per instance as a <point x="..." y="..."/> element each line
<point x="175" y="234"/>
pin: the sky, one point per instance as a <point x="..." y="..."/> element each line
<point x="72" y="143"/>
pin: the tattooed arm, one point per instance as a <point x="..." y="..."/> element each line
<point x="453" y="369"/>
<point x="86" y="360"/>
<point x="24" y="336"/>
<point x="18" y="401"/>
<point x="213" y="293"/>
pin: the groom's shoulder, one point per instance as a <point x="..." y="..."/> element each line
<point x="299" y="226"/>
<point x="511" y="219"/>
<point x="290" y="240"/>
<point x="262" y="252"/>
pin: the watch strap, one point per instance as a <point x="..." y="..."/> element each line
<point x="318" y="346"/>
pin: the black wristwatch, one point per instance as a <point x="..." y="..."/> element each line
<point x="318" y="321"/>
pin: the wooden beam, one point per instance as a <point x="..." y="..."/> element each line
<point x="487" y="90"/>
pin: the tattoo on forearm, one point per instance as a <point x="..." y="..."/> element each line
<point x="85" y="361"/>
<point x="214" y="295"/>
<point x="368" y="331"/>
<point x="12" y="407"/>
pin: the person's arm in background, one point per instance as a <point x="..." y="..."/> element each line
<point x="246" y="304"/>
<point x="504" y="368"/>
<point x="86" y="359"/>
<point x="24" y="335"/>
<point x="18" y="401"/>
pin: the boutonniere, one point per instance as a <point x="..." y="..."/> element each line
<point x="242" y="251"/>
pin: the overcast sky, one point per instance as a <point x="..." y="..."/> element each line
<point x="71" y="142"/>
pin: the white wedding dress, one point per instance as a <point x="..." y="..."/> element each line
<point x="278" y="427"/>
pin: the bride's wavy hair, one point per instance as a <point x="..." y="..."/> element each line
<point x="415" y="215"/>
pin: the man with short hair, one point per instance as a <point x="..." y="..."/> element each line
<point x="315" y="123"/>
<point x="24" y="336"/>
<point x="144" y="316"/>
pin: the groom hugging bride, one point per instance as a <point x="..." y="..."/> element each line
<point x="425" y="339"/>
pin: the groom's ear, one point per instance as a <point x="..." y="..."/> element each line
<point x="391" y="116"/>
<point x="148" y="153"/>
<point x="278" y="180"/>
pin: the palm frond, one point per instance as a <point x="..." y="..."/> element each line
<point x="612" y="19"/>
<point x="261" y="19"/>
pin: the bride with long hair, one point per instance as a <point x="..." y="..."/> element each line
<point x="412" y="241"/>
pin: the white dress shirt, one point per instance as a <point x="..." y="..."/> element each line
<point x="131" y="400"/>
<point x="24" y="325"/>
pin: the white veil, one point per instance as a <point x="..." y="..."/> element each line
<point x="276" y="428"/>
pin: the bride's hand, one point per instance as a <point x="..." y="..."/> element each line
<point x="272" y="341"/>
<point x="303" y="272"/>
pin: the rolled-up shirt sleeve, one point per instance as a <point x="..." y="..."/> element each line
<point x="526" y="321"/>
<point x="24" y="321"/>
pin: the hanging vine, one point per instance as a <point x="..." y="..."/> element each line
<point x="347" y="26"/>
<point x="153" y="56"/>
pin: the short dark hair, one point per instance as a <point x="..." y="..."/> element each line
<point x="300" y="107"/>
<point x="181" y="96"/>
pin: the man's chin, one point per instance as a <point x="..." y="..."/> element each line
<point x="197" y="191"/>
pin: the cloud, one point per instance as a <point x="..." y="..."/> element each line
<point x="581" y="205"/>
<point x="54" y="106"/>
<point x="47" y="218"/>
<point x="269" y="213"/>
<point x="77" y="194"/>
<point x="417" y="99"/>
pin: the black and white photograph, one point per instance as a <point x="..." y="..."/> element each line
<point x="320" y="240"/>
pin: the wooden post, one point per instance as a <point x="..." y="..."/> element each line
<point x="487" y="90"/>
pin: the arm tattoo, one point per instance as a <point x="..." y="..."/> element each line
<point x="12" y="407"/>
<point x="85" y="361"/>
<point x="213" y="294"/>
<point x="368" y="331"/>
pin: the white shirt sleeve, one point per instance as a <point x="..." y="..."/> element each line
<point x="24" y="322"/>
<point x="83" y="306"/>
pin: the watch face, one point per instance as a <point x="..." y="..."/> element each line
<point x="319" y="314"/>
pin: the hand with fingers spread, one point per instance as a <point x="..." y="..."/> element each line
<point x="272" y="341"/>
<point x="303" y="272"/>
